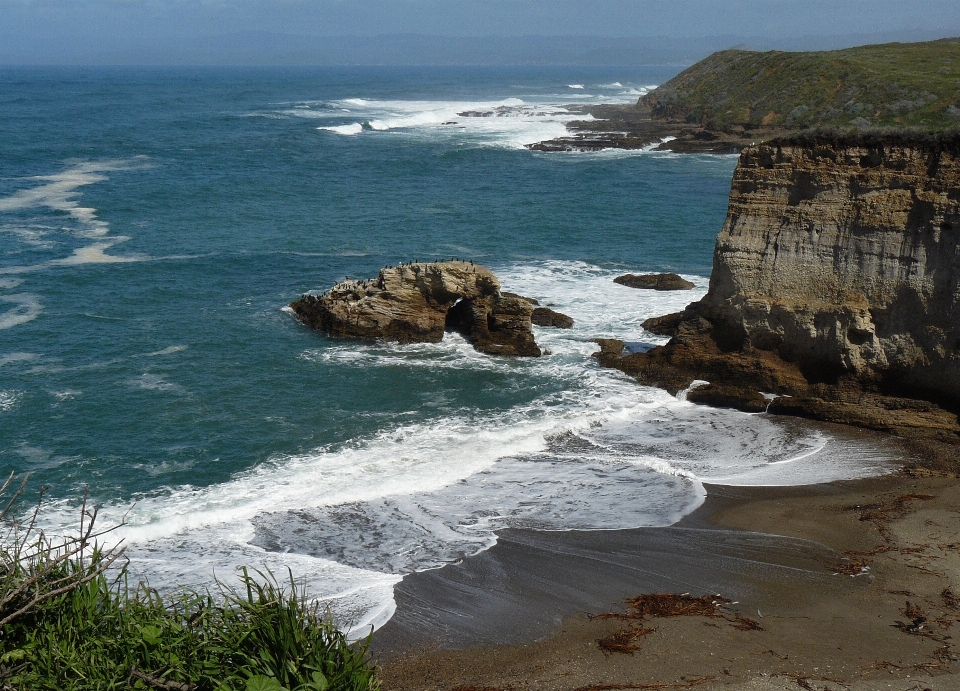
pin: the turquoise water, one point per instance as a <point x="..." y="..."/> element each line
<point x="156" y="222"/>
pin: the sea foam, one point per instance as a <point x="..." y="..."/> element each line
<point x="59" y="192"/>
<point x="347" y="130"/>
<point x="510" y="122"/>
<point x="9" y="399"/>
<point x="27" y="309"/>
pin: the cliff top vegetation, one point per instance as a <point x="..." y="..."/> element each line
<point x="914" y="85"/>
<point x="873" y="138"/>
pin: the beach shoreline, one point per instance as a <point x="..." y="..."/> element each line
<point x="824" y="571"/>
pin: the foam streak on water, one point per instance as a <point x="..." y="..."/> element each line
<point x="58" y="193"/>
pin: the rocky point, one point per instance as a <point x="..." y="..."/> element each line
<point x="418" y="302"/>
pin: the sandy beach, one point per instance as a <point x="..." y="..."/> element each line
<point x="848" y="585"/>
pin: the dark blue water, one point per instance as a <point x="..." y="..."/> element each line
<point x="154" y="223"/>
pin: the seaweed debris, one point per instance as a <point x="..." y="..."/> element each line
<point x="669" y="605"/>
<point x="881" y="513"/>
<point x="658" y="605"/>
<point x="950" y="599"/>
<point x="917" y="624"/>
<point x="624" y="641"/>
<point x="852" y="566"/>
<point x="741" y="623"/>
<point x="646" y="687"/>
<point x="898" y="508"/>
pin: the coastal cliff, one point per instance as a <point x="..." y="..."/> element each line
<point x="734" y="98"/>
<point x="835" y="291"/>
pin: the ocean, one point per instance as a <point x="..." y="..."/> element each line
<point x="155" y="223"/>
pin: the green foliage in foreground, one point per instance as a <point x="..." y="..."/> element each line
<point x="261" y="637"/>
<point x="886" y="85"/>
<point x="76" y="628"/>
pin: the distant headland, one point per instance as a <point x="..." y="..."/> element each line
<point x="735" y="98"/>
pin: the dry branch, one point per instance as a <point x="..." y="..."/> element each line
<point x="36" y="568"/>
<point x="158" y="683"/>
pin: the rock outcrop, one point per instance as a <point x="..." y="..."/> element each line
<point x="654" y="281"/>
<point x="836" y="282"/>
<point x="544" y="316"/>
<point x="665" y="325"/>
<point x="417" y="303"/>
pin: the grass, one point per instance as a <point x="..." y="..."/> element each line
<point x="886" y="85"/>
<point x="71" y="621"/>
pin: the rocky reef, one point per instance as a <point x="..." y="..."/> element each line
<point x="617" y="126"/>
<point x="417" y="303"/>
<point x="835" y="291"/>
<point x="654" y="281"/>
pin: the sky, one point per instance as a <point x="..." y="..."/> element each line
<point x="325" y="31"/>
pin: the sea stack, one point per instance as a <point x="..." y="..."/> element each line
<point x="836" y="282"/>
<point x="654" y="281"/>
<point x="418" y="302"/>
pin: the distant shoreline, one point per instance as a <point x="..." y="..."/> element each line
<point x="619" y="126"/>
<point x="735" y="98"/>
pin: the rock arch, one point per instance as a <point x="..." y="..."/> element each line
<point x="417" y="303"/>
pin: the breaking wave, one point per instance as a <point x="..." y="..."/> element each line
<point x="510" y="122"/>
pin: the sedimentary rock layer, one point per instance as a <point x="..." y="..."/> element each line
<point x="836" y="280"/>
<point x="846" y="261"/>
<point x="417" y="303"/>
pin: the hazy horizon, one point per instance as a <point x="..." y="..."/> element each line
<point x="449" y="32"/>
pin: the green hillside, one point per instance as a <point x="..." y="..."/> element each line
<point x="893" y="84"/>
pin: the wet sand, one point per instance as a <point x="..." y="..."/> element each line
<point x="517" y="615"/>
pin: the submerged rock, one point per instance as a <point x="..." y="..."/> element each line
<point x="417" y="303"/>
<point x="544" y="316"/>
<point x="654" y="281"/>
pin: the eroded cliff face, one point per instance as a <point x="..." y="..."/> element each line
<point x="847" y="262"/>
<point x="836" y="281"/>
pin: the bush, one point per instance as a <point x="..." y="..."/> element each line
<point x="71" y="621"/>
<point x="873" y="138"/>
